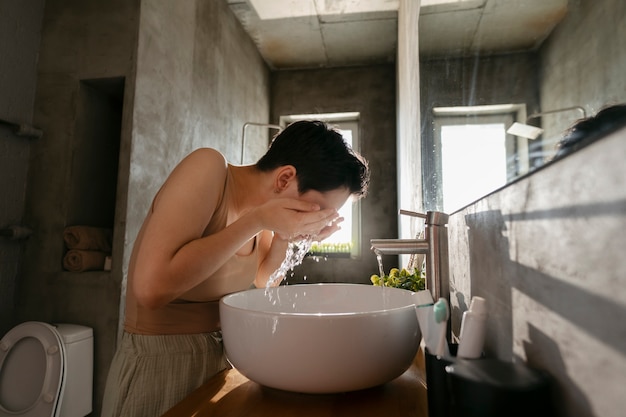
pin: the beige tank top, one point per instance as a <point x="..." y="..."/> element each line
<point x="187" y="317"/>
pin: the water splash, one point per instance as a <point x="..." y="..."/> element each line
<point x="296" y="250"/>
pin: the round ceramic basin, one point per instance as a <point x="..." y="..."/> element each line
<point x="320" y="338"/>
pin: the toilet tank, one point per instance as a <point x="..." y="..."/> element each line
<point x="78" y="343"/>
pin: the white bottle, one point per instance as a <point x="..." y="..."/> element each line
<point x="473" y="327"/>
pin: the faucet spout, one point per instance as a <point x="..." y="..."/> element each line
<point x="434" y="246"/>
<point x="399" y="246"/>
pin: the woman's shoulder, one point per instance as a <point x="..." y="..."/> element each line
<point x="201" y="174"/>
<point x="207" y="160"/>
<point x="208" y="155"/>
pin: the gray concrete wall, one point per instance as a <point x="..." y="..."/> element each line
<point x="20" y="31"/>
<point x="546" y="253"/>
<point x="371" y="92"/>
<point x="198" y="79"/>
<point x="583" y="61"/>
<point x="582" y="64"/>
<point x="80" y="40"/>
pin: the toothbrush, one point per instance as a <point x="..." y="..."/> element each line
<point x="441" y="311"/>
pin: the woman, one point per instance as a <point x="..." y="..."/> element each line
<point x="213" y="229"/>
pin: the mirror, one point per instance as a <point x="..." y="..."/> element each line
<point x="483" y="64"/>
<point x="486" y="65"/>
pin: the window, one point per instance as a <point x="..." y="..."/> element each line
<point x="473" y="162"/>
<point x="474" y="155"/>
<point x="347" y="241"/>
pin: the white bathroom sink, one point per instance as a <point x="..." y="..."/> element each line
<point x="320" y="338"/>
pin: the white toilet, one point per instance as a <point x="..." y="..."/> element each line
<point x="46" y="370"/>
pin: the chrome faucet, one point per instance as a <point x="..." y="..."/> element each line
<point x="434" y="246"/>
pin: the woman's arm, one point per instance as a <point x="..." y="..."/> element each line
<point x="172" y="256"/>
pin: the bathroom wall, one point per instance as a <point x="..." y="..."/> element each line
<point x="584" y="60"/>
<point x="189" y="76"/>
<point x="80" y="41"/>
<point x="546" y="253"/>
<point x="20" y="31"/>
<point x="583" y="63"/>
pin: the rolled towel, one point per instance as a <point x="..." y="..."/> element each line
<point x="88" y="238"/>
<point x="76" y="260"/>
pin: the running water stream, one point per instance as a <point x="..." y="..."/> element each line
<point x="381" y="270"/>
<point x="296" y="251"/>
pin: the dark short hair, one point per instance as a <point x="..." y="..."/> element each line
<point x="322" y="158"/>
<point x="590" y="129"/>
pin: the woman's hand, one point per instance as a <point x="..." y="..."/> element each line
<point x="290" y="218"/>
<point x="331" y="228"/>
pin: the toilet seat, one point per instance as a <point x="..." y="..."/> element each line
<point x="32" y="363"/>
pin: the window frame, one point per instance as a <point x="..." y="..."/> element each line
<point x="517" y="148"/>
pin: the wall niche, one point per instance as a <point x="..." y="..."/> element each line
<point x="95" y="153"/>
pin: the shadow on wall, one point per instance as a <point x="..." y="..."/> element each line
<point x="486" y="273"/>
<point x="534" y="283"/>
<point x="541" y="287"/>
<point x="542" y="352"/>
<point x="495" y="278"/>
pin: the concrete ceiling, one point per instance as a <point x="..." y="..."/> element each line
<point x="294" y="34"/>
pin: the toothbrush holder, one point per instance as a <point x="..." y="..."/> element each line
<point x="437" y="386"/>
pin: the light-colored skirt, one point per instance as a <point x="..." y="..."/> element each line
<point x="151" y="374"/>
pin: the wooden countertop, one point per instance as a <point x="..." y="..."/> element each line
<point x="230" y="394"/>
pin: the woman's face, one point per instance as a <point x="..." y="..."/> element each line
<point x="334" y="199"/>
<point x="328" y="199"/>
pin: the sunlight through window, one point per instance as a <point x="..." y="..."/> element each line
<point x="473" y="162"/>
